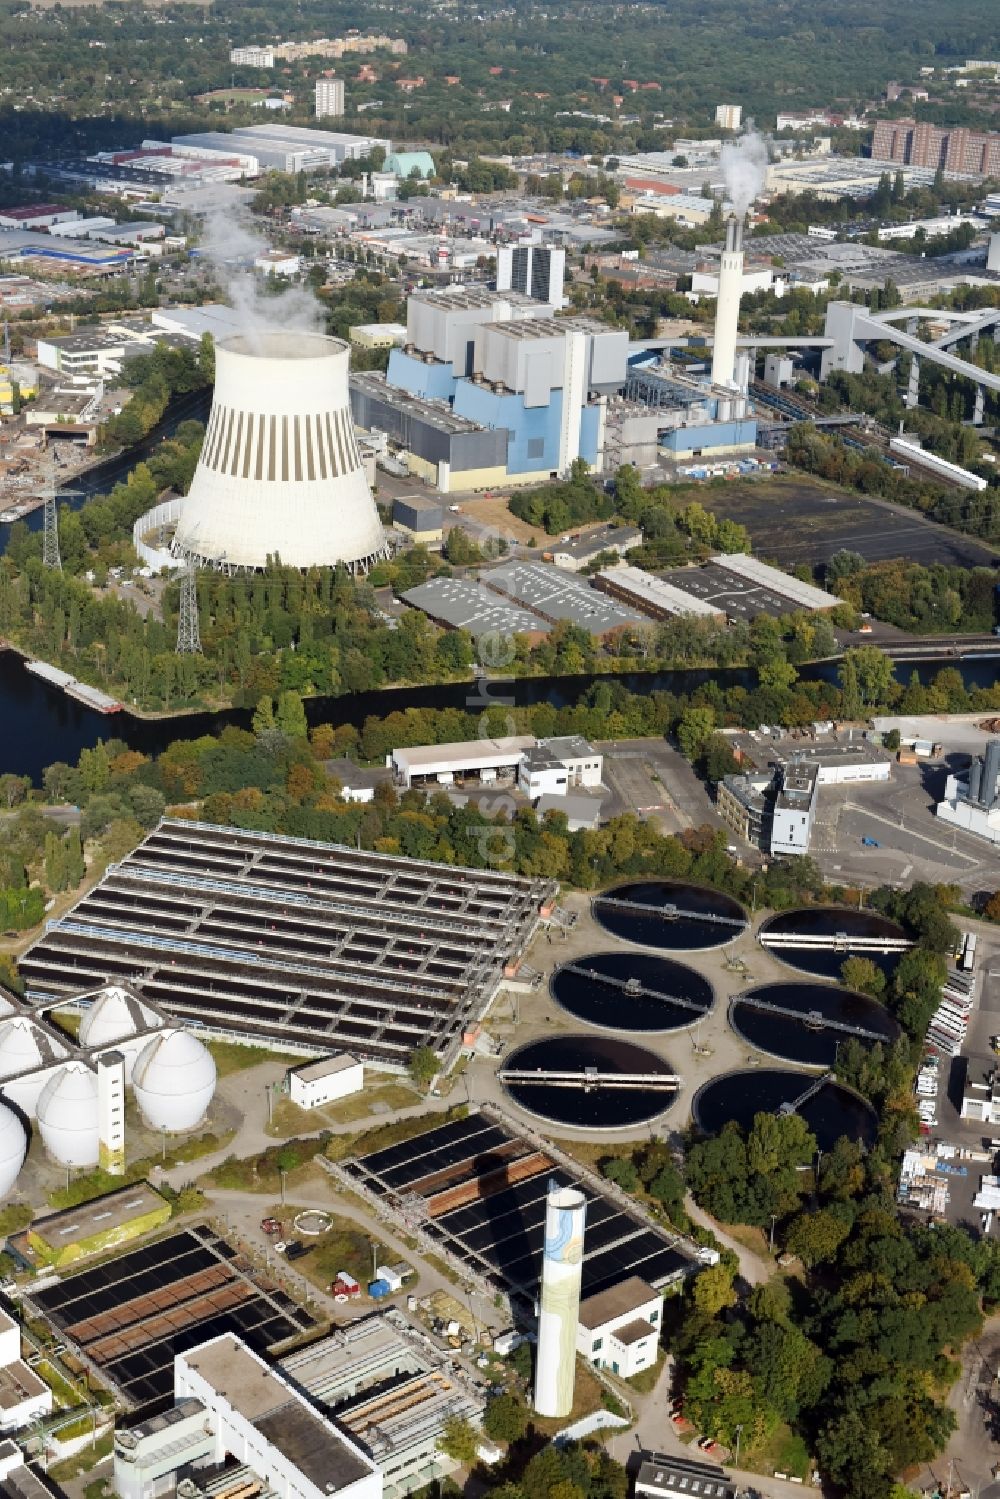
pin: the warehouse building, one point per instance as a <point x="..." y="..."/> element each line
<point x="554" y="595"/>
<point x="61" y="1239"/>
<point x="655" y="597"/>
<point x="464" y="604"/>
<point x="283" y="148"/>
<point x="743" y="588"/>
<point x="580" y="551"/>
<point x="554" y="766"/>
<point x="419" y="516"/>
<point x="664" y="1477"/>
<point x="487" y="759"/>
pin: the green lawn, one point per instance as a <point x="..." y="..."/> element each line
<point x="782" y="1452"/>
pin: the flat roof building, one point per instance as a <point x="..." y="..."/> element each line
<point x="312" y="1084"/>
<point x="554" y="595"/>
<point x="62" y="1238"/>
<point x="663" y="1477"/>
<point x="465" y="604"/>
<point x="654" y="596"/>
<point x="390" y="1389"/>
<point x="442" y="762"/>
<point x="583" y="549"/>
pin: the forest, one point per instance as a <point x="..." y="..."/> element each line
<point x="104" y="77"/>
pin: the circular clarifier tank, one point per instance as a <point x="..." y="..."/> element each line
<point x="671" y="915"/>
<point x="807" y="1022"/>
<point x="589" y="1082"/>
<point x="830" y="1110"/>
<point x="820" y="939"/>
<point x="625" y="991"/>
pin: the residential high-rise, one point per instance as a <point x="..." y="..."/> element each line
<point x="915" y="143"/>
<point x="329" y="98"/>
<point x="559" y="1315"/>
<point x="729" y="116"/>
<point x="536" y="270"/>
<point x="252" y="57"/>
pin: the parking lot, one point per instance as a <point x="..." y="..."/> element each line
<point x="911" y="843"/>
<point x="652" y="779"/>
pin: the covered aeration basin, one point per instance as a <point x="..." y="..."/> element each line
<point x="174" y="1081"/>
<point x="280" y="474"/>
<point x="67" y="1115"/>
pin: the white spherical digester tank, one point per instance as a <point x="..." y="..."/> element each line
<point x="174" y="1080"/>
<point x="280" y="473"/>
<point x="67" y="1115"/>
<point x="24" y="1054"/>
<point x="109" y="1019"/>
<point x="13" y="1147"/>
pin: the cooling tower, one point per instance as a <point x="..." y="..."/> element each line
<point x="280" y="474"/>
<point x="558" y="1319"/>
<point x="727" y="307"/>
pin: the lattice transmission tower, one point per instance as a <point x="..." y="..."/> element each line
<point x="50" y="536"/>
<point x="188" y="631"/>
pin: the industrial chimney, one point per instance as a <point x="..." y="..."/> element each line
<point x="280" y="475"/>
<point x="558" y="1319"/>
<point x="727" y="310"/>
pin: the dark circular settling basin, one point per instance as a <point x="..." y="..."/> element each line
<point x="660" y="928"/>
<point x="589" y="997"/>
<point x="596" y="1107"/>
<point x="810" y="1038"/>
<point x="831" y="921"/>
<point x="831" y="1112"/>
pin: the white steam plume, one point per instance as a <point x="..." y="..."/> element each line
<point x="230" y="241"/>
<point x="744" y="167"/>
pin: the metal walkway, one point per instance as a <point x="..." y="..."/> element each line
<point x="592" y="1077"/>
<point x="635" y="989"/>
<point x="814" y="1020"/>
<point x="668" y="912"/>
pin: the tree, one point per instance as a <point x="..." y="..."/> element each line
<point x="423" y="1066"/>
<point x="863" y="975"/>
<point x="817" y="1236"/>
<point x="505" y="1419"/>
<point x="460" y="1440"/>
<point x="712" y="1289"/>
<point x="694" y="730"/>
<point x="290" y="718"/>
<point x="263" y="716"/>
<point x="621" y="1170"/>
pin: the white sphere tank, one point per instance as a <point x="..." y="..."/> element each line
<point x="67" y="1115"/>
<point x="13" y="1148"/>
<point x="280" y="474"/>
<point x="19" y="1048"/>
<point x="174" y="1081"/>
<point x="109" y="1019"/>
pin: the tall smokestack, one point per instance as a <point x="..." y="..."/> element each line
<point x="558" y="1319"/>
<point x="727" y="312"/>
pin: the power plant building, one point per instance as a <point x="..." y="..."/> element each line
<point x="972" y="801"/>
<point x="500" y="362"/>
<point x="280" y="474"/>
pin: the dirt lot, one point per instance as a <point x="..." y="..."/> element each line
<point x="494" y="512"/>
<point x="796" y="520"/>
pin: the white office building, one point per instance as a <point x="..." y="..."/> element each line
<point x="329" y="98"/>
<point x="313" y="1084"/>
<point x="23" y="1396"/>
<point x="619" y="1329"/>
<point x="251" y="1414"/>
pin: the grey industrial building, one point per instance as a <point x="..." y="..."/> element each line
<point x="743" y="588"/>
<point x="285" y="148"/>
<point x="555" y="595"/>
<point x="464" y="604"/>
<point x="428" y="429"/>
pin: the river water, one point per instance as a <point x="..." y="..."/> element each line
<point x="41" y="724"/>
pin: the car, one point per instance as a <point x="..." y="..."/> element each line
<point x="870" y="843"/>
